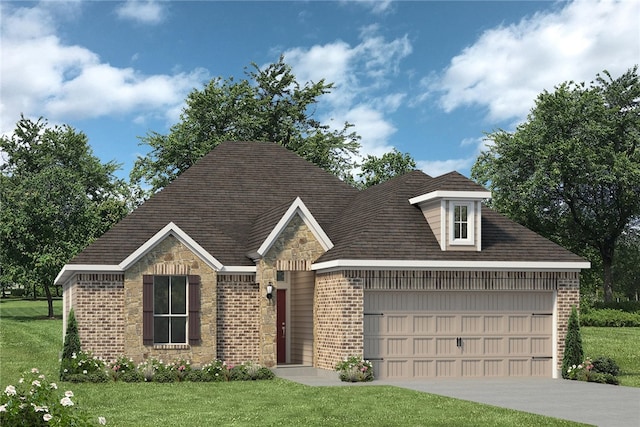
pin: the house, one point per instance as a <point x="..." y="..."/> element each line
<point x="255" y="254"/>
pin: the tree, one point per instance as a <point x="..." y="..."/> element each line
<point x="56" y="198"/>
<point x="572" y="171"/>
<point x="270" y="105"/>
<point x="71" y="344"/>
<point x="375" y="170"/>
<point x="626" y="266"/>
<point x="573" y="352"/>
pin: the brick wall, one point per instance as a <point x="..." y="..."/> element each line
<point x="170" y="257"/>
<point x="98" y="303"/>
<point x="238" y="318"/>
<point x="567" y="297"/>
<point x="338" y="318"/>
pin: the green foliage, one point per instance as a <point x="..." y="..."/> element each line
<point x="606" y="365"/>
<point x="269" y="105"/>
<point x="587" y="371"/>
<point x="573" y="353"/>
<point x="83" y="367"/>
<point x="72" y="337"/>
<point x="571" y="172"/>
<point x="56" y="198"/>
<point x="610" y="318"/>
<point x="375" y="170"/>
<point x="36" y="402"/>
<point x="627" y="306"/>
<point x="249" y="371"/>
<point x="355" y="369"/>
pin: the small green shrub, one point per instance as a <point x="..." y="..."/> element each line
<point x="165" y="376"/>
<point x="217" y="370"/>
<point x="249" y="371"/>
<point x="83" y="364"/>
<point x="121" y="366"/>
<point x="608" y="317"/>
<point x="573" y="353"/>
<point x="132" y="377"/>
<point x="606" y="365"/>
<point x="355" y="369"/>
<point x="628" y="306"/>
<point x="198" y="376"/>
<point x="71" y="345"/>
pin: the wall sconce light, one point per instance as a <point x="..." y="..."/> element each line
<point x="270" y="290"/>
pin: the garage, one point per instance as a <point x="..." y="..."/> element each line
<point x="435" y="334"/>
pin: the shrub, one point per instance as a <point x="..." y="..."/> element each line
<point x="217" y="370"/>
<point x="121" y="366"/>
<point x="606" y="365"/>
<point x="165" y="376"/>
<point x="355" y="369"/>
<point x="180" y="368"/>
<point x="608" y="317"/>
<point x="598" y="377"/>
<point x="71" y="345"/>
<point x="628" y="306"/>
<point x="134" y="376"/>
<point x="249" y="371"/>
<point x="36" y="402"/>
<point x="198" y="376"/>
<point x="83" y="364"/>
<point x="573" y="353"/>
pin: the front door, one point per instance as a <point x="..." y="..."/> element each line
<point x="281" y="325"/>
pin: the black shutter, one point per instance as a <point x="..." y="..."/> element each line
<point x="147" y="310"/>
<point x="194" y="310"/>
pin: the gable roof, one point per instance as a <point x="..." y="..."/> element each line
<point x="233" y="203"/>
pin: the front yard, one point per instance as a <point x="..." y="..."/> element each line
<point x="28" y="340"/>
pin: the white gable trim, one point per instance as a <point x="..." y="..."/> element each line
<point x="297" y="207"/>
<point x="450" y="195"/>
<point x="184" y="238"/>
<point x="364" y="264"/>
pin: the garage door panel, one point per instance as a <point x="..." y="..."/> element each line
<point x="459" y="334"/>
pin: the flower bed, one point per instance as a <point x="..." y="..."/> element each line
<point x="355" y="369"/>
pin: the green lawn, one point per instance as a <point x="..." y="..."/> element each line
<point x="620" y="344"/>
<point x="28" y="339"/>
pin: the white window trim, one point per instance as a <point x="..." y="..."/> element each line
<point x="186" y="315"/>
<point x="471" y="221"/>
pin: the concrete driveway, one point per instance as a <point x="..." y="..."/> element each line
<point x="598" y="404"/>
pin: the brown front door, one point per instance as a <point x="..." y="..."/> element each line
<point x="281" y="325"/>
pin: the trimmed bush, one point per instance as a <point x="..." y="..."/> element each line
<point x="573" y="352"/>
<point x="608" y="317"/>
<point x="71" y="344"/>
<point x="132" y="377"/>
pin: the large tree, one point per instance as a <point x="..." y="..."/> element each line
<point x="269" y="105"/>
<point x="375" y="170"/>
<point x="572" y="171"/>
<point x="56" y="196"/>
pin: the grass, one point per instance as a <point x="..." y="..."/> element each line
<point x="620" y="344"/>
<point x="28" y="339"/>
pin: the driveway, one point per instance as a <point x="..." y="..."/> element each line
<point x="599" y="404"/>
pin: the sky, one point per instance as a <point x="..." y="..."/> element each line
<point x="429" y="78"/>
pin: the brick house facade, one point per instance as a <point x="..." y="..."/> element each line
<point x="414" y="273"/>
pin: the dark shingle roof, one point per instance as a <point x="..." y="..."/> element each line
<point x="232" y="198"/>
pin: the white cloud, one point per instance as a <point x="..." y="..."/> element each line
<point x="144" y="12"/>
<point x="43" y="76"/>
<point x="361" y="75"/>
<point x="508" y="66"/>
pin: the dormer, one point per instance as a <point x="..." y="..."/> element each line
<point x="455" y="217"/>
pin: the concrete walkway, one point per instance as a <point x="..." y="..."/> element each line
<point x="598" y="404"/>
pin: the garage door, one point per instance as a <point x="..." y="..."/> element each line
<point x="426" y="334"/>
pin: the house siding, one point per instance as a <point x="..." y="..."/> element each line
<point x="238" y="318"/>
<point x="170" y="257"/>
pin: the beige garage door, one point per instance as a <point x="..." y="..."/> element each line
<point x="427" y="334"/>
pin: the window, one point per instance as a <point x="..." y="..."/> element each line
<point x="170" y="309"/>
<point x="462" y="223"/>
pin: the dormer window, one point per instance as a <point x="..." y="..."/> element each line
<point x="462" y="223"/>
<point x="454" y="217"/>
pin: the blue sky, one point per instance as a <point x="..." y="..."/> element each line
<point x="426" y="77"/>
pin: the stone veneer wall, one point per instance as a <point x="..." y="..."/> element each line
<point x="98" y="303"/>
<point x="170" y="257"/>
<point x="295" y="249"/>
<point x="338" y="318"/>
<point x="238" y="318"/>
<point x="568" y="296"/>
